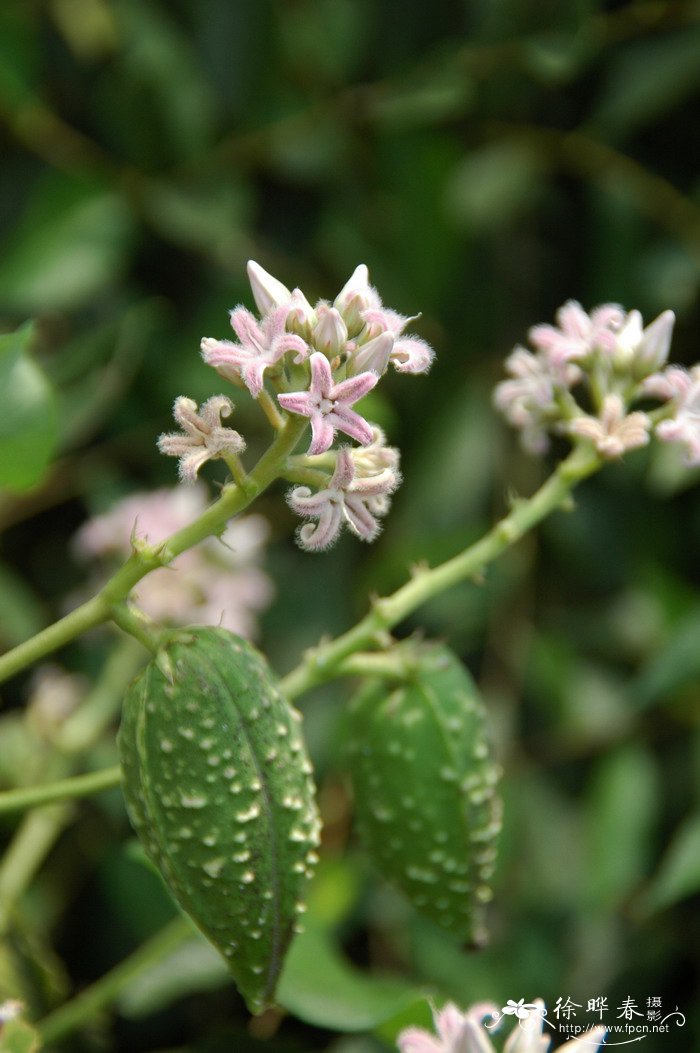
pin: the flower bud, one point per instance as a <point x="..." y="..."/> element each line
<point x="627" y="341"/>
<point x="356" y="296"/>
<point x="652" y="352"/>
<point x="330" y="331"/>
<point x="373" y="355"/>
<point x="268" y="292"/>
<point x="302" y="317"/>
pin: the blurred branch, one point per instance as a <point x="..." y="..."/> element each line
<point x="62" y="790"/>
<point x="597" y="162"/>
<point x="101" y="994"/>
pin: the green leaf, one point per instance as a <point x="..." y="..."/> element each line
<point x="28" y="425"/>
<point x="18" y="1037"/>
<point x="321" y="988"/>
<point x="648" y="80"/>
<point x="21" y="615"/>
<point x="675" y="666"/>
<point x="679" y="873"/>
<point x="70" y="243"/>
<point x="622" y="810"/>
<point x="494" y="185"/>
<point x="195" y="966"/>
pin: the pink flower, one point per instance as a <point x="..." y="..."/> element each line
<point x="409" y="354"/>
<point x="684" y="426"/>
<point x="459" y="1032"/>
<point x="204" y="437"/>
<point x="527" y="400"/>
<point x="327" y="405"/>
<point x="672" y="383"/>
<point x="262" y="344"/>
<point x="578" y="334"/>
<point x="350" y="498"/>
<point x="614" y="431"/>
<point x="220" y="582"/>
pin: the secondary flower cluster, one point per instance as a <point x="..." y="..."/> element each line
<point x="316" y="362"/>
<point x="220" y="582"/>
<point x="459" y="1032"/>
<point x="612" y="362"/>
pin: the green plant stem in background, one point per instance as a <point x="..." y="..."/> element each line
<point x="101" y="608"/>
<point x="25" y="854"/>
<point x="62" y="790"/>
<point x="102" y="993"/>
<point x="324" y="662"/>
<point x="39" y="830"/>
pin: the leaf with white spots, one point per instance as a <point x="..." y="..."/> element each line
<point x="425" y="788"/>
<point x="218" y="787"/>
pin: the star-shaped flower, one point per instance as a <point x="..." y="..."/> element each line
<point x="204" y="437"/>
<point x="327" y="405"/>
<point x="614" y="431"/>
<point x="262" y="344"/>
<point x="349" y="498"/>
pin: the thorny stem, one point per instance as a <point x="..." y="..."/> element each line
<point x="324" y="662"/>
<point x="145" y="558"/>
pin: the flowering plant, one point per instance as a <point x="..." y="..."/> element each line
<point x="419" y="747"/>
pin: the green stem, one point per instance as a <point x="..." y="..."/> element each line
<point x="27" y="851"/>
<point x="146" y="558"/>
<point x="322" y="663"/>
<point x="62" y="790"/>
<point x="136" y="624"/>
<point x="103" y="992"/>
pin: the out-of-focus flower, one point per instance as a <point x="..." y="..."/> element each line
<point x="614" y="431"/>
<point x="219" y="582"/>
<point x="578" y="334"/>
<point x="350" y="497"/>
<point x="54" y="695"/>
<point x="262" y="345"/>
<point x="328" y="404"/>
<point x="608" y="355"/>
<point x="203" y="436"/>
<point x="459" y="1032"/>
<point x="684" y="426"/>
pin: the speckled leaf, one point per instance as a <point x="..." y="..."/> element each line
<point x="425" y="789"/>
<point x="219" y="789"/>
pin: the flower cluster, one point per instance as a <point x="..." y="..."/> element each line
<point x="219" y="582"/>
<point x="586" y="373"/>
<point x="459" y="1032"/>
<point x="315" y="363"/>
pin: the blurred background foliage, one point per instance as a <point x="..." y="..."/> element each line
<point x="488" y="159"/>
